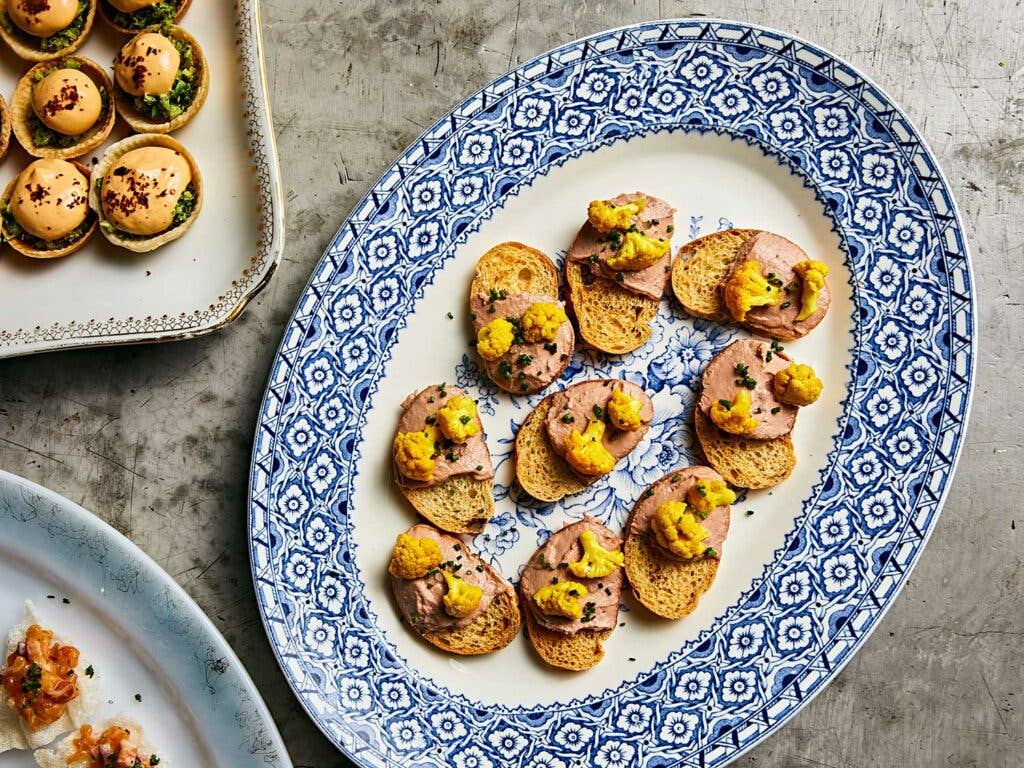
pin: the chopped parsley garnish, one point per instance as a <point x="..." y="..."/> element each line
<point x="773" y="280"/>
<point x="33" y="676"/>
<point x="138" y="697"/>
<point x="449" y="315"/>
<point x="89" y="671"/>
<point x="464" y="419"/>
<point x="568" y="418"/>
<point x="785" y="305"/>
<point x="598" y="412"/>
<point x="550" y="347"/>
<point x="505" y="369"/>
<point x="619" y="277"/>
<point x="710" y="552"/>
<point x="725" y="404"/>
<point x="750" y="512"/>
<point x="775" y="410"/>
<point x="745" y="379"/>
<point x="544" y="562"/>
<point x="523" y="360"/>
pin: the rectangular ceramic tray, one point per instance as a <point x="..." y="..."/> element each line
<point x="102" y="295"/>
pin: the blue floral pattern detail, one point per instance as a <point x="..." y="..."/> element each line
<point x="863" y="527"/>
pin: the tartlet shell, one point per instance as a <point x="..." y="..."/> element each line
<point x="21" y="106"/>
<point x="57" y="253"/>
<point x="28" y="53"/>
<point x="141" y="123"/>
<point x="115" y="151"/>
<point x="5" y="127"/>
<point x="104" y="9"/>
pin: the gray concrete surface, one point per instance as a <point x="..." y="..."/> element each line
<point x="156" y="439"/>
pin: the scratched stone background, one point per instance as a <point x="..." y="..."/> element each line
<point x="156" y="439"/>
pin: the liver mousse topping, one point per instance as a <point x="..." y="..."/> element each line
<point x="656" y="220"/>
<point x="674" y="487"/>
<point x="469" y="458"/>
<point x="551" y="561"/>
<point x="777" y="256"/>
<point x="546" y="359"/>
<point x="580" y="400"/>
<point x="420" y="600"/>
<point x="719" y="382"/>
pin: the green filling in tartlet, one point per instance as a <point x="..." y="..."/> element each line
<point x="173" y="103"/>
<point x="182" y="210"/>
<point x="44" y="136"/>
<point x="160" y="13"/>
<point x="12" y="230"/>
<point x="59" y="41"/>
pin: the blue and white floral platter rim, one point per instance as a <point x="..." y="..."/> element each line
<point x="81" y="551"/>
<point x="871" y="511"/>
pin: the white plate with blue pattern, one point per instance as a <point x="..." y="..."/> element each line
<point x="156" y="657"/>
<point x="733" y="125"/>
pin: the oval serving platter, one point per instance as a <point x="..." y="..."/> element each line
<point x="157" y="658"/>
<point x="102" y="295"/>
<point x="734" y="125"/>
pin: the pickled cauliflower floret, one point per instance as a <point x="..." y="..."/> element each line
<point x="586" y="453"/>
<point x="705" y="495"/>
<point x="606" y="217"/>
<point x="813" y="274"/>
<point x="495" y="339"/>
<point x="457" y="419"/>
<point x="746" y="289"/>
<point x="734" y="417"/>
<point x="541" y="321"/>
<point x="797" y="384"/>
<point x="624" y="411"/>
<point x="413" y="557"/>
<point x="561" y="599"/>
<point x="462" y="598"/>
<point x="678" y="530"/>
<point x="637" y="251"/>
<point x="596" y="561"/>
<point x="415" y="452"/>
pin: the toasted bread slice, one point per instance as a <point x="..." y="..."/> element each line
<point x="461" y="504"/>
<point x="541" y="472"/>
<point x="700" y="269"/>
<point x="491" y="631"/>
<point x="515" y="268"/>
<point x="744" y="462"/>
<point x="670" y="588"/>
<point x="608" y="318"/>
<point x="573" y="652"/>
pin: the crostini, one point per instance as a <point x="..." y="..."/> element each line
<point x="750" y="394"/>
<point x="449" y="596"/>
<point x="674" y="540"/>
<point x="441" y="461"/>
<point x="44" y="686"/>
<point x="757" y="279"/>
<point x="521" y="332"/>
<point x="576" y="436"/>
<point x="116" y="743"/>
<point x="570" y="591"/>
<point x="617" y="268"/>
